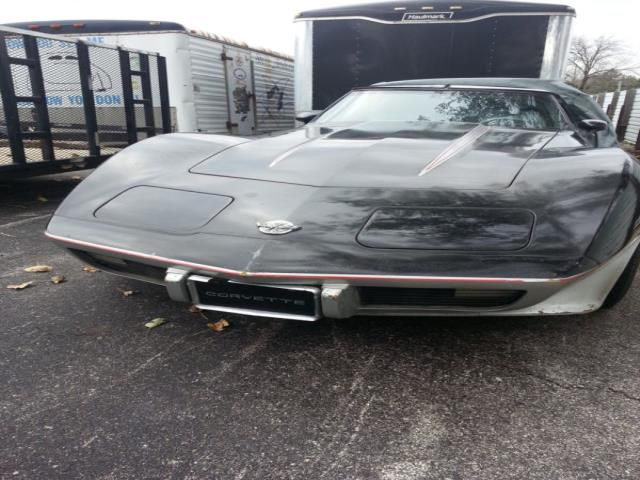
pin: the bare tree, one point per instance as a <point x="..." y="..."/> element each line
<point x="591" y="58"/>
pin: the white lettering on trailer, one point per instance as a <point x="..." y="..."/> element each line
<point x="421" y="17"/>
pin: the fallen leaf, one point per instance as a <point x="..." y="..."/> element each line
<point x="156" y="322"/>
<point x="128" y="293"/>
<point x="90" y="269"/>
<point x="38" y="269"/>
<point x="42" y="199"/>
<point x="20" y="286"/>
<point x="76" y="177"/>
<point x="56" y="279"/>
<point x="218" y="326"/>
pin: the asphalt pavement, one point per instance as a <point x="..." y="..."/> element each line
<point x="87" y="391"/>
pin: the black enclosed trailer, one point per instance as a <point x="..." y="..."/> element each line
<point x="340" y="48"/>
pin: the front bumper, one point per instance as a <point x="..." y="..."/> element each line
<point x="339" y="296"/>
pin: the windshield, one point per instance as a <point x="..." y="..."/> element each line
<point x="528" y="110"/>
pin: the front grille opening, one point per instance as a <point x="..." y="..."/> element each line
<point x="437" y="297"/>
<point x="121" y="265"/>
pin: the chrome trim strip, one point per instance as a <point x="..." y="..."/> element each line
<point x="556" y="49"/>
<point x="256" y="313"/>
<point x="171" y="262"/>
<point x="303" y="67"/>
<point x="456" y="147"/>
<point x="464" y="20"/>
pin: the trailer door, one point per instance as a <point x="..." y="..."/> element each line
<point x="240" y="91"/>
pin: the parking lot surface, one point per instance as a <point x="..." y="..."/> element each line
<point x="88" y="392"/>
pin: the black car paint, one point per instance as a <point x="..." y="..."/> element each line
<point x="379" y="155"/>
<point x="444" y="228"/>
<point x="149" y="207"/>
<point x="584" y="199"/>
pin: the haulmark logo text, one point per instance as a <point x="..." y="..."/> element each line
<point x="421" y="17"/>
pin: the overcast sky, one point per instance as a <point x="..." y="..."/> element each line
<point x="268" y="24"/>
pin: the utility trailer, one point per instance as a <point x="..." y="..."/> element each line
<point x="216" y="85"/>
<point x="337" y="49"/>
<point x="67" y="104"/>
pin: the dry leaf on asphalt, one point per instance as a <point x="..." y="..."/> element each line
<point x="128" y="293"/>
<point x="156" y="322"/>
<point x="56" y="279"/>
<point x="42" y="199"/>
<point x="90" y="269"/>
<point x="219" y="325"/>
<point x="38" y="269"/>
<point x="20" y="286"/>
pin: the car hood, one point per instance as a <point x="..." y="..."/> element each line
<point x="383" y="154"/>
<point x="143" y="199"/>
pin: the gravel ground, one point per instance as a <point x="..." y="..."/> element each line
<point x="89" y="392"/>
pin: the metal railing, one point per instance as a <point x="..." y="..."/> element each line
<point x="67" y="104"/>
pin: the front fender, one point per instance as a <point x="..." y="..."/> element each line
<point x="623" y="216"/>
<point x="142" y="163"/>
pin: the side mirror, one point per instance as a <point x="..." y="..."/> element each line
<point x="593" y="125"/>
<point x="306" y="117"/>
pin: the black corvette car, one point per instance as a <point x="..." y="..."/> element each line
<point x="434" y="197"/>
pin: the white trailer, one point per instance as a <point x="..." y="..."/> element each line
<point x="216" y="85"/>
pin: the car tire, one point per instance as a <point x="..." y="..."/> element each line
<point x="623" y="284"/>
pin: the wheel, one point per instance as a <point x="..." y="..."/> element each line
<point x="623" y="284"/>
